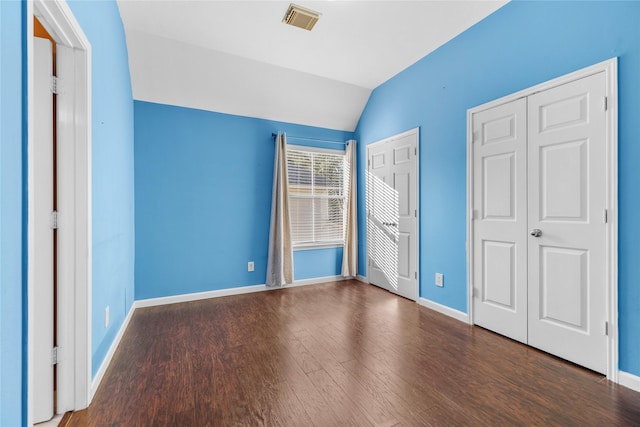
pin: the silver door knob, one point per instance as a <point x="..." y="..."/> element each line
<point x="536" y="232"/>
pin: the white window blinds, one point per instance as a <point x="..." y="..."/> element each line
<point x="316" y="197"/>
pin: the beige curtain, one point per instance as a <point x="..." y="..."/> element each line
<point x="350" y="252"/>
<point x="280" y="260"/>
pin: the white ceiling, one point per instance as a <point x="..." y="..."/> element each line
<point x="354" y="47"/>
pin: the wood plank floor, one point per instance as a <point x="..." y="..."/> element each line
<point x="338" y="354"/>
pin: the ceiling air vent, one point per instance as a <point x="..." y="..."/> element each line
<point x="301" y="17"/>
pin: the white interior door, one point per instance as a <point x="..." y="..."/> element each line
<point x="392" y="223"/>
<point x="500" y="211"/>
<point x="567" y="201"/>
<point x="43" y="234"/>
<point x="539" y="231"/>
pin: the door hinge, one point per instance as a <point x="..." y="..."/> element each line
<point x="474" y="213"/>
<point x="415" y="274"/>
<point x="606" y="216"/>
<point x="54" y="356"/>
<point x="475" y="292"/>
<point x="55" y="85"/>
<point x="368" y="162"/>
<point x="54" y="220"/>
<point x="606" y="328"/>
<point x="474" y="136"/>
<point x="606" y="103"/>
<point x="415" y="213"/>
<point x="415" y="151"/>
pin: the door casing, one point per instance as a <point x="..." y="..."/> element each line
<point x="610" y="69"/>
<point x="74" y="205"/>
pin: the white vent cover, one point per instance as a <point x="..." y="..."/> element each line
<point x="301" y="17"/>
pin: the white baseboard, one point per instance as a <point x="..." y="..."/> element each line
<point x="151" y="302"/>
<point x="629" y="380"/>
<point x="316" y="280"/>
<point x="451" y="312"/>
<point x="95" y="383"/>
<point x="363" y="279"/>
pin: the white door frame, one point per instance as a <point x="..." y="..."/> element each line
<point x="74" y="205"/>
<point x="417" y="240"/>
<point x="610" y="68"/>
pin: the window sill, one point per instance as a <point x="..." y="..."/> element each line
<point x="312" y="246"/>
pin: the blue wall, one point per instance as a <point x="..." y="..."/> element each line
<point x="11" y="143"/>
<point x="112" y="171"/>
<point x="520" y="45"/>
<point x="203" y="200"/>
<point x="311" y="264"/>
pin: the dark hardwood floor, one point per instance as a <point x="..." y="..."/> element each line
<point x="338" y="354"/>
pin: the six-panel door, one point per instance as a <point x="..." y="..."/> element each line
<point x="567" y="201"/>
<point x="392" y="205"/>
<point x="539" y="199"/>
<point x="500" y="210"/>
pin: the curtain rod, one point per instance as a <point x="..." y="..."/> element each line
<point x="328" y="141"/>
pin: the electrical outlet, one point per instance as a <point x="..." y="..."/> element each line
<point x="250" y="266"/>
<point x="439" y="279"/>
<point x="106" y="317"/>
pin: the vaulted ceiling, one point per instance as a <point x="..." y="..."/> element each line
<point x="238" y="57"/>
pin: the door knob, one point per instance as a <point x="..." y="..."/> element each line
<point x="536" y="232"/>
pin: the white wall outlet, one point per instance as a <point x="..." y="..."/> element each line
<point x="250" y="266"/>
<point x="439" y="279"/>
<point x="106" y="317"/>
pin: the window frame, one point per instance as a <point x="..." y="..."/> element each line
<point x="336" y="152"/>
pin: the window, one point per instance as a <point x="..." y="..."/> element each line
<point x="317" y="196"/>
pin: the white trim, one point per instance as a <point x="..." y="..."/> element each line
<point x="469" y="216"/>
<point x="334" y="151"/>
<point x="53" y="422"/>
<point x="362" y="279"/>
<point x="611" y="75"/>
<point x="112" y="350"/>
<point x="30" y="215"/>
<point x="196" y="296"/>
<point x="239" y="290"/>
<point x="417" y="240"/>
<point x="317" y="280"/>
<point x="443" y="309"/>
<point x="629" y="380"/>
<point x="610" y="68"/>
<point x="314" y="246"/>
<point x="75" y="257"/>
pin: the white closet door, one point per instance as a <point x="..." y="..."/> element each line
<point x="500" y="225"/>
<point x="567" y="200"/>
<point x="43" y="234"/>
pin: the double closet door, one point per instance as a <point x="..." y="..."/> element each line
<point x="539" y="220"/>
